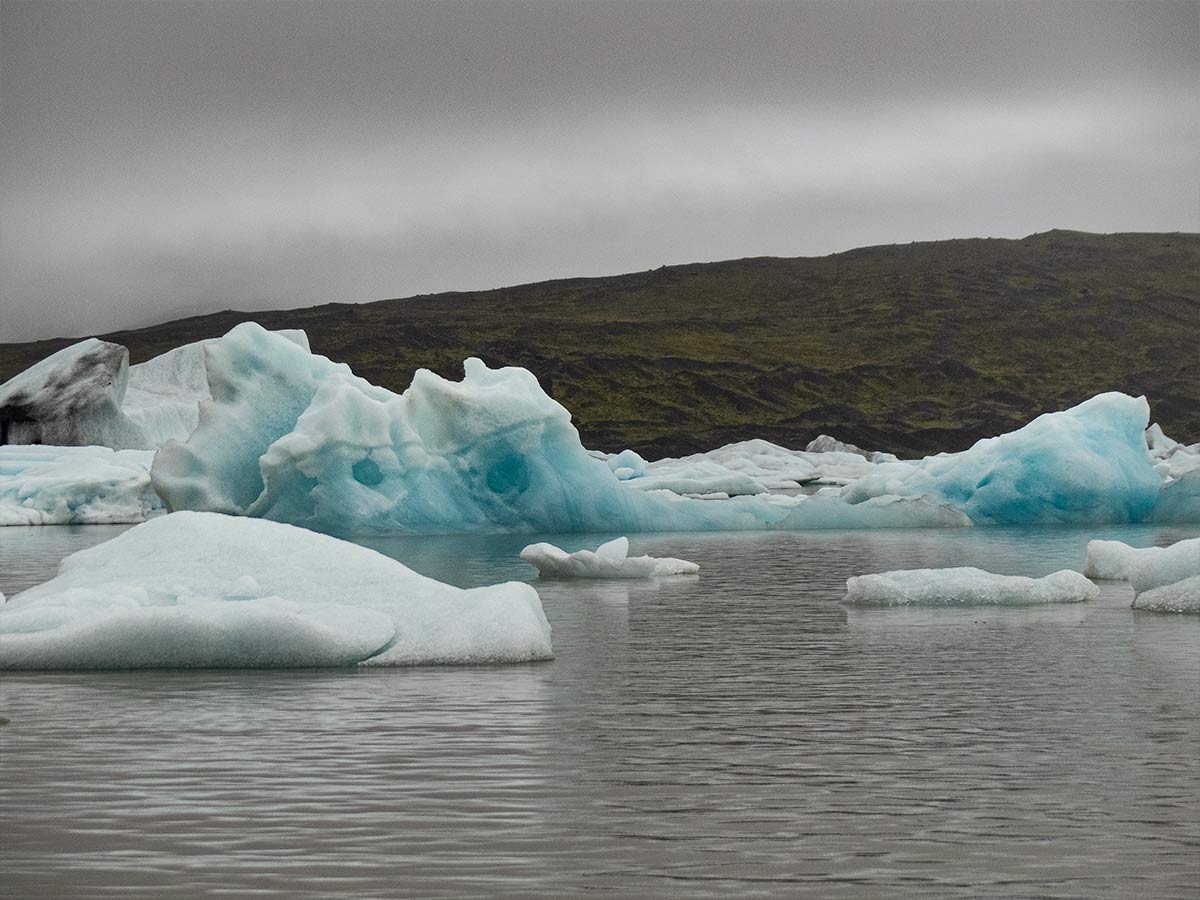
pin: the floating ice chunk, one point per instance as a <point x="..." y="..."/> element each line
<point x="1156" y="566"/>
<point x="695" y="477"/>
<point x="610" y="560"/>
<point x="205" y="590"/>
<point x="966" y="587"/>
<point x="1109" y="560"/>
<point x="824" y="443"/>
<point x="44" y="485"/>
<point x="1085" y="464"/>
<point x="1178" y="596"/>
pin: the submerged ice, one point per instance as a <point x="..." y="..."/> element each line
<point x="964" y="586"/>
<point x="609" y="560"/>
<point x="204" y="590"/>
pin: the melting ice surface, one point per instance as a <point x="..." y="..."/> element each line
<point x="966" y="586"/>
<point x="204" y="590"/>
<point x="294" y="437"/>
<point x="609" y="560"/>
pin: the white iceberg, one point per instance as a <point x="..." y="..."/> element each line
<point x="1109" y="560"/>
<point x="1158" y="566"/>
<point x="1087" y="464"/>
<point x="1178" y="596"/>
<point x="294" y="437"/>
<point x="47" y="485"/>
<point x="609" y="560"/>
<point x="966" y="586"/>
<point x="205" y="590"/>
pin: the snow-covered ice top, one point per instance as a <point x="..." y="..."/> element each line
<point x="965" y="586"/>
<point x="49" y="485"/>
<point x="609" y="560"/>
<point x="205" y="590"/>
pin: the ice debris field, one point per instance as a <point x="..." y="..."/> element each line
<point x="254" y="424"/>
<point x="204" y="590"/>
<point x="609" y="560"/>
<point x="256" y="427"/>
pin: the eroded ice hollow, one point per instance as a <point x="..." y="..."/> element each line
<point x="609" y="560"/>
<point x="291" y="436"/>
<point x="965" y="586"/>
<point x="203" y="590"/>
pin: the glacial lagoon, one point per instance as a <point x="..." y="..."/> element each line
<point x="739" y="733"/>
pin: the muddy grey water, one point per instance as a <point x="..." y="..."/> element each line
<point x="737" y="734"/>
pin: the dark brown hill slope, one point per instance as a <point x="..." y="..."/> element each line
<point x="911" y="348"/>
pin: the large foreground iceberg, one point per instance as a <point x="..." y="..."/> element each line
<point x="74" y="485"/>
<point x="966" y="586"/>
<point x="294" y="437"/>
<point x="204" y="590"/>
<point x="609" y="560"/>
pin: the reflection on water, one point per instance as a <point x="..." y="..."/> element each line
<point x="737" y="734"/>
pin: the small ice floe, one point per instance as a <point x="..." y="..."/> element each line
<point x="202" y="590"/>
<point x="1164" y="579"/>
<point x="1109" y="560"/>
<point x="966" y="586"/>
<point x="610" y="560"/>
<point x="1178" y="596"/>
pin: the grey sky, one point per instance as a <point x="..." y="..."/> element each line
<point x="160" y="159"/>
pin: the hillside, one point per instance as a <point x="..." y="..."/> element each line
<point x="910" y="348"/>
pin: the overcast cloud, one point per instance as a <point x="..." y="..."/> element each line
<point x="162" y="159"/>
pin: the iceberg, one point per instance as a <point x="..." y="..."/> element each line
<point x="1109" y="560"/>
<point x="1087" y="464"/>
<point x="1157" y="566"/>
<point x="204" y="590"/>
<point x="48" y="485"/>
<point x="293" y="437"/>
<point x="609" y="560"/>
<point x="966" y="586"/>
<point x="87" y="394"/>
<point x="755" y="467"/>
<point x="72" y="397"/>
<point x="1177" y="597"/>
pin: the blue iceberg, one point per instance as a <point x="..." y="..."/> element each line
<point x="293" y="437"/>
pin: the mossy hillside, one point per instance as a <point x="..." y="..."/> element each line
<point x="911" y="348"/>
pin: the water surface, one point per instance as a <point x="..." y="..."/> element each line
<point x="736" y="734"/>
